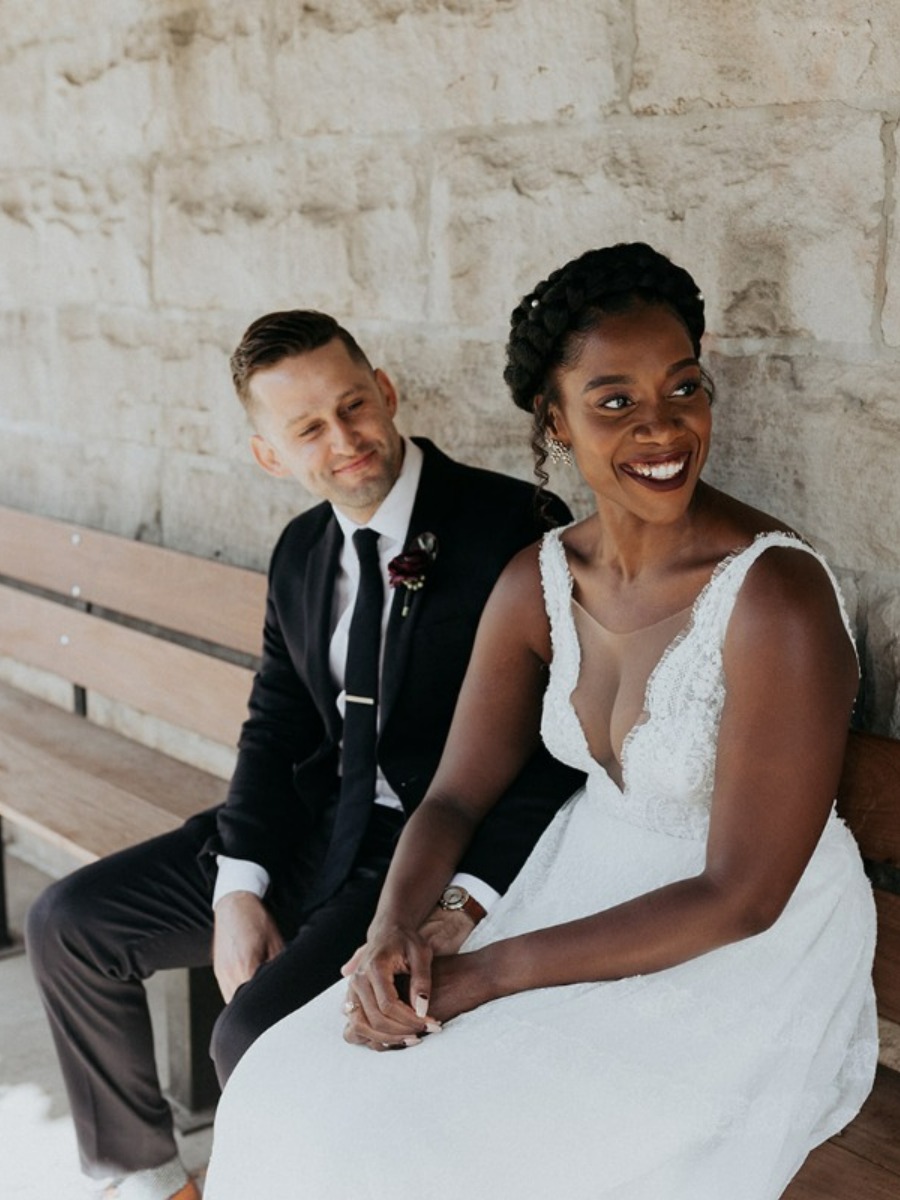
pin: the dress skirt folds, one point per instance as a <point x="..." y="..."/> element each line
<point x="711" y="1080"/>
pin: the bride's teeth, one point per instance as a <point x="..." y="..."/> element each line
<point x="666" y="470"/>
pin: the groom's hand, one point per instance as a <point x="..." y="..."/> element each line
<point x="445" y="930"/>
<point x="244" y="937"/>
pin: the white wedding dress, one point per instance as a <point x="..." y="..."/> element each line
<point x="711" y="1080"/>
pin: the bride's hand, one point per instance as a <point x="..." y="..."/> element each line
<point x="389" y="984"/>
<point x="460" y="983"/>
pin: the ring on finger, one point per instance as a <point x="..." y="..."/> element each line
<point x="350" y="1006"/>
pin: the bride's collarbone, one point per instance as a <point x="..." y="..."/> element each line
<point x="640" y="603"/>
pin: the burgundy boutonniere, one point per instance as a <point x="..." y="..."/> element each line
<point x="409" y="568"/>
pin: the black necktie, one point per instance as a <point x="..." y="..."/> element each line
<point x="361" y="674"/>
<point x="358" y="760"/>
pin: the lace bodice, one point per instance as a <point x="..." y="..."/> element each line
<point x="669" y="757"/>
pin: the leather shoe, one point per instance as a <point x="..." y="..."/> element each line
<point x="190" y="1191"/>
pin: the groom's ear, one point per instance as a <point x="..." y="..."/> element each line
<point x="267" y="456"/>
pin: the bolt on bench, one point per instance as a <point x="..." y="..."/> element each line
<point x="168" y="636"/>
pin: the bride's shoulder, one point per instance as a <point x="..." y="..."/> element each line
<point x="520" y="580"/>
<point x="789" y="602"/>
<point x="734" y="525"/>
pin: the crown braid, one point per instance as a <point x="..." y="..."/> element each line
<point x="547" y="326"/>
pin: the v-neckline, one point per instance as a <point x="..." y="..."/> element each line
<point x="630" y="632"/>
<point x="684" y="633"/>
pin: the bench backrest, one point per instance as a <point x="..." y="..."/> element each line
<point x="223" y="607"/>
<point x="167" y="633"/>
<point x="869" y="801"/>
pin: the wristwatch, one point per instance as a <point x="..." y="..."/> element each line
<point x="455" y="899"/>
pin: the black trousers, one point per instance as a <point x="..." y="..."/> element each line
<point x="96" y="935"/>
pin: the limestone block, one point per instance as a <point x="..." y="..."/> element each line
<point x="105" y="484"/>
<point x="111" y="366"/>
<point x="338" y="225"/>
<point x="27" y="21"/>
<point x="206" y="419"/>
<point x="166" y="82"/>
<point x="891" y="313"/>
<point x="718" y="53"/>
<point x="149" y="378"/>
<point x="228" y="511"/>
<point x="30" y="371"/>
<point x="452" y="391"/>
<point x="368" y="66"/>
<point x="814" y="441"/>
<point x="21" y="273"/>
<point x="102" y="103"/>
<point x="75" y="237"/>
<point x="23" y="129"/>
<point x="774" y="218"/>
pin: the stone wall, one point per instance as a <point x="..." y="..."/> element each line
<point x="169" y="170"/>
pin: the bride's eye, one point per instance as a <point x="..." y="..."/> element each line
<point x="689" y="388"/>
<point x="615" y="403"/>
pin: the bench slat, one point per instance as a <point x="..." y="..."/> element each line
<point x="192" y="595"/>
<point x="834" y="1173"/>
<point x="862" y="1163"/>
<point x="85" y="816"/>
<point x="165" y="680"/>
<point x="886" y="973"/>
<point x="869" y="795"/>
<point x="101" y="753"/>
<point x="66" y="802"/>
<point x="876" y="1134"/>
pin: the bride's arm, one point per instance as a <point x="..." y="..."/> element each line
<point x="791" y="677"/>
<point x="495" y="730"/>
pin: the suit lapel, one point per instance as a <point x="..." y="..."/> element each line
<point x="318" y="601"/>
<point x="433" y="498"/>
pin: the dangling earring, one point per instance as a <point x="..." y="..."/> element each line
<point x="560" y="454"/>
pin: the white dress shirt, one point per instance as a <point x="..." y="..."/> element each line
<point x="391" y="523"/>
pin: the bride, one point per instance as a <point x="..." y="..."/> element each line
<point x="673" y="1000"/>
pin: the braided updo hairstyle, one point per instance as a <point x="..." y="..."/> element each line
<point x="549" y="325"/>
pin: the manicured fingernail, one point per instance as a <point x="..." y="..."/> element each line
<point x="421" y="1006"/>
<point x="411" y="1041"/>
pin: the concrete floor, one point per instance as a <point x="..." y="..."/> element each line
<point x="38" y="1156"/>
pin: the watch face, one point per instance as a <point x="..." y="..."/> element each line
<point x="454" y="897"/>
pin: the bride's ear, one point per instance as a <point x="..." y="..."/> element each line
<point x="557" y="426"/>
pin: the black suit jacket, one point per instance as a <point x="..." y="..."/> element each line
<point x="286" y="781"/>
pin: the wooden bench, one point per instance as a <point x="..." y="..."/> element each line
<point x="162" y="635"/>
<point x="176" y="637"/>
<point x="863" y="1162"/>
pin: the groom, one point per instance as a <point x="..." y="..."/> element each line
<point x="366" y="640"/>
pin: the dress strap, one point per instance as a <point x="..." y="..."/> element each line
<point x="556" y="581"/>
<point x="716" y="601"/>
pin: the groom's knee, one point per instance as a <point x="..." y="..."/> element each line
<point x="236" y="1029"/>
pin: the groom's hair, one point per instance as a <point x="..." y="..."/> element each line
<point x="280" y="335"/>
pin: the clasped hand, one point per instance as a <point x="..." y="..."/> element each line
<point x="245" y="936"/>
<point x="403" y="983"/>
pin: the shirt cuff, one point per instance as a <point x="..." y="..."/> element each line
<point x="477" y="888"/>
<point x="239" y="875"/>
